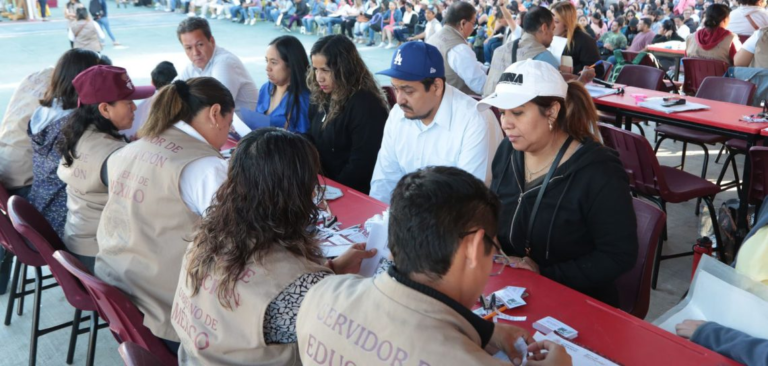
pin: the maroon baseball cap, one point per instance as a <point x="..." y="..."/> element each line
<point x="106" y="84"/>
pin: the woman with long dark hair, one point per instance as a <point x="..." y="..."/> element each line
<point x="667" y="33"/>
<point x="48" y="193"/>
<point x="88" y="138"/>
<point x="264" y="265"/>
<point x="285" y="97"/>
<point x="349" y="125"/>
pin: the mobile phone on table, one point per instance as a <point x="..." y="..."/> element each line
<point x="673" y="102"/>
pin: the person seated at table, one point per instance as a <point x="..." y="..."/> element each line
<point x="441" y="228"/>
<point x="667" y="33"/>
<point x="48" y="193"/>
<point x="613" y="40"/>
<point x="714" y="42"/>
<point x="174" y="169"/>
<point x="269" y="259"/>
<point x="754" y="52"/>
<point x="351" y="111"/>
<point x="580" y="46"/>
<point x="643" y="38"/>
<point x="582" y="233"/>
<point x="89" y="137"/>
<point x="630" y="30"/>
<point x="432" y="123"/>
<point x="749" y="17"/>
<point x="682" y="30"/>
<point x="285" y="97"/>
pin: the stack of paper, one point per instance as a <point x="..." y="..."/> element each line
<point x="597" y="91"/>
<point x="580" y="356"/>
<point x="655" y="103"/>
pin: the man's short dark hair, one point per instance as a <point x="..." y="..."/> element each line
<point x="431" y="209"/>
<point x="748" y="2"/>
<point x="428" y="82"/>
<point x="192" y="24"/>
<point x="163" y="74"/>
<point x="458" y="11"/>
<point x="647" y="22"/>
<point x="620" y="22"/>
<point x="535" y="18"/>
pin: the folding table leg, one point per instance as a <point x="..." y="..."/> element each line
<point x="73" y="336"/>
<point x="12" y="294"/>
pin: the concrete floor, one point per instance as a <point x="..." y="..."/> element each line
<point x="148" y="37"/>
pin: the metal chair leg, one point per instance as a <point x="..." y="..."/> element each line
<point x="36" y="316"/>
<point x="719" y="154"/>
<point x="73" y="336"/>
<point x="682" y="161"/>
<point x="657" y="263"/>
<point x="92" y="339"/>
<point x="715" y="227"/>
<point x="12" y="294"/>
<point x="658" y="144"/>
<point x="20" y="307"/>
<point x="703" y="176"/>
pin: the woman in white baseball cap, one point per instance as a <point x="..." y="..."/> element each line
<point x="566" y="208"/>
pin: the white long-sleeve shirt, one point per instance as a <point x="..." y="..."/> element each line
<point x="740" y="24"/>
<point x="459" y="136"/>
<point x="464" y="62"/>
<point x="201" y="178"/>
<point x="227" y="68"/>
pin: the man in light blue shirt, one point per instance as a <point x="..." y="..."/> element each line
<point x="433" y="123"/>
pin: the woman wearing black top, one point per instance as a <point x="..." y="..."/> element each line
<point x="348" y="125"/>
<point x="581" y="46"/>
<point x="668" y="33"/>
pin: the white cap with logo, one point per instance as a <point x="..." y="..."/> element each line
<point x="523" y="81"/>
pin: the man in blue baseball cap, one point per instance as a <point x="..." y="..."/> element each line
<point x="432" y="124"/>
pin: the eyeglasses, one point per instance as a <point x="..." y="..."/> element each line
<point x="499" y="258"/>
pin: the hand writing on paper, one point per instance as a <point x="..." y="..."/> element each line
<point x="524" y="263"/>
<point x="350" y="261"/>
<point x="587" y="75"/>
<point x="555" y="356"/>
<point x="688" y="327"/>
<point x="504" y="338"/>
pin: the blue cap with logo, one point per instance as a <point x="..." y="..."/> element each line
<point x="415" y="61"/>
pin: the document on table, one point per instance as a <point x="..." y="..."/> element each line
<point x="655" y="103"/>
<point x="580" y="356"/>
<point x="597" y="91"/>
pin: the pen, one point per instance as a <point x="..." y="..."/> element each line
<point x="596" y="64"/>
<point x="493" y="313"/>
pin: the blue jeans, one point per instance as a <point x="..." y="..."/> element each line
<point x="309" y="23"/>
<point x="233" y="11"/>
<point x="104" y="23"/>
<point x="330" y="22"/>
<point x="371" y="35"/>
<point x="252" y="11"/>
<point x="274" y="14"/>
<point x="489" y="47"/>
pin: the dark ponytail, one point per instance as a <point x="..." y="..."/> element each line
<point x="578" y="114"/>
<point x="82" y="118"/>
<point x="182" y="101"/>
<point x="715" y="15"/>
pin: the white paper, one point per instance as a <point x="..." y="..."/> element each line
<point x="557" y="47"/>
<point x="511" y="296"/>
<point x="339" y="240"/>
<point x="377" y="238"/>
<point x="240" y="127"/>
<point x="655" y="103"/>
<point x="716" y="291"/>
<point x="332" y="193"/>
<point x="580" y="356"/>
<point x="334" y="250"/>
<point x="597" y="91"/>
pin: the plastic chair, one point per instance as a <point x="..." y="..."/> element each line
<point x="744" y="37"/>
<point x="698" y="69"/>
<point x="33" y="226"/>
<point x="635" y="285"/>
<point x="389" y="92"/>
<point x="720" y="89"/>
<point x="125" y="320"/>
<point x="637" y="76"/>
<point x="659" y="184"/>
<point x="135" y="355"/>
<point x="607" y="72"/>
<point x="758" y="187"/>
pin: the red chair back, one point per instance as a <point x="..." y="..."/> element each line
<point x="648" y="60"/>
<point x="758" y="187"/>
<point x="635" y="285"/>
<point x="607" y="72"/>
<point x="743" y="37"/>
<point x="389" y="92"/>
<point x="640" y="76"/>
<point x="125" y="320"/>
<point x="31" y="225"/>
<point x="12" y="241"/>
<point x="727" y="90"/>
<point x="698" y="69"/>
<point x="639" y="161"/>
<point x="135" y="355"/>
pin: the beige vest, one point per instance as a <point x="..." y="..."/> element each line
<point x="720" y="52"/>
<point x="86" y="35"/>
<point x="446" y="39"/>
<point x="86" y="194"/>
<point x="213" y="335"/>
<point x="761" y="50"/>
<point x="15" y="146"/>
<point x="146" y="227"/>
<point x="353" y="321"/>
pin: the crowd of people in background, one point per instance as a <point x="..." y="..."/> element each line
<point x="433" y="152"/>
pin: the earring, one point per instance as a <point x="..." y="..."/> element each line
<point x="217" y="126"/>
<point x="550" y="125"/>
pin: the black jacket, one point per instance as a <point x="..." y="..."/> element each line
<point x="584" y="52"/>
<point x="349" y="144"/>
<point x="585" y="233"/>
